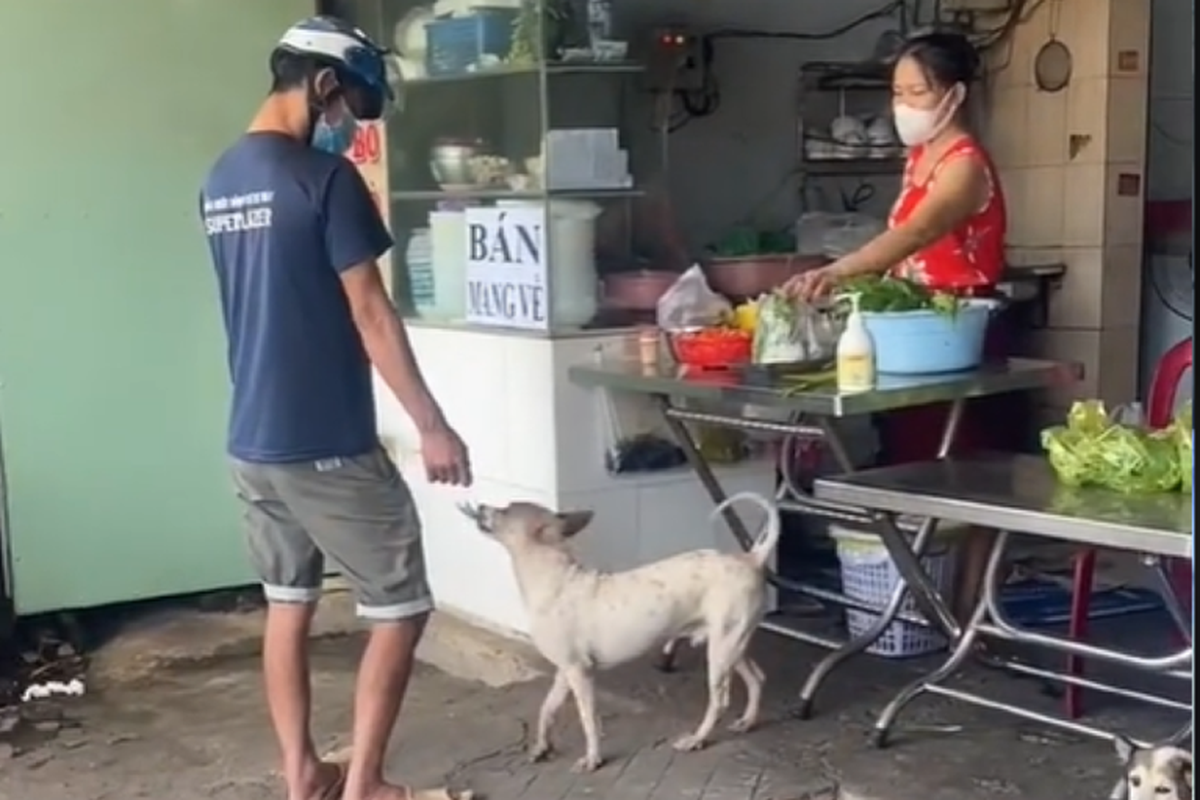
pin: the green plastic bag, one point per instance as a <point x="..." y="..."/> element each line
<point x="1136" y="461"/>
<point x="1093" y="450"/>
<point x="1182" y="430"/>
<point x="1071" y="448"/>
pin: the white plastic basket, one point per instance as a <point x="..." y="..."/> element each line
<point x="870" y="576"/>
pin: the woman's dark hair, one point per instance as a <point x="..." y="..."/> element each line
<point x="946" y="57"/>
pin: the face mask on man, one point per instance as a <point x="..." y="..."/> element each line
<point x="916" y="126"/>
<point x="336" y="137"/>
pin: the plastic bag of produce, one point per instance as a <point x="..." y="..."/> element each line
<point x="1069" y="452"/>
<point x="1136" y="461"/>
<point x="691" y="303"/>
<point x="631" y="441"/>
<point x="1071" y="447"/>
<point x="789" y="331"/>
<point x="1093" y="449"/>
<point x="1184" y="435"/>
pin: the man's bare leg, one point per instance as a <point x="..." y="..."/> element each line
<point x="289" y="697"/>
<point x="382" y="681"/>
<point x="973" y="557"/>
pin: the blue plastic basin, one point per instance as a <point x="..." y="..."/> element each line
<point x="926" y="342"/>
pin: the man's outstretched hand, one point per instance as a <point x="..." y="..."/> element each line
<point x="446" y="458"/>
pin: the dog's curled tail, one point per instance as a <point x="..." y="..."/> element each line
<point x="764" y="545"/>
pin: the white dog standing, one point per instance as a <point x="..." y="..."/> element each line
<point x="582" y="620"/>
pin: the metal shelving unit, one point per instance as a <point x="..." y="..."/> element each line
<point x="437" y="195"/>
<point x="828" y="90"/>
<point x="511" y="106"/>
<point x="553" y="68"/>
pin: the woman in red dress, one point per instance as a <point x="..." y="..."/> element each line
<point x="946" y="230"/>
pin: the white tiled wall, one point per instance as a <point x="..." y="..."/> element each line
<point x="1073" y="165"/>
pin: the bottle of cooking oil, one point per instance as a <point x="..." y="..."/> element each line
<point x="855" y="353"/>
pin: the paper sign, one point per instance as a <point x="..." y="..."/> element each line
<point x="368" y="152"/>
<point x="506" y="268"/>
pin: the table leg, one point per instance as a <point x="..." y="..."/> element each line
<point x="913" y="576"/>
<point x="912" y="559"/>
<point x="960" y="653"/>
<point x="1162" y="574"/>
<point x="708" y="480"/>
<point x="853" y="647"/>
<point x="962" y="646"/>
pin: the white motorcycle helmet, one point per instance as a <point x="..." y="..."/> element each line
<point x="351" y="52"/>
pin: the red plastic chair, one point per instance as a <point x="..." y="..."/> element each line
<point x="1160" y="408"/>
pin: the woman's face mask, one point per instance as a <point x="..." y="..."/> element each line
<point x="916" y="126"/>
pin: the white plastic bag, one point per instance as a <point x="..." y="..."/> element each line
<point x="790" y="331"/>
<point x="631" y="441"/>
<point x="821" y="233"/>
<point x="691" y="303"/>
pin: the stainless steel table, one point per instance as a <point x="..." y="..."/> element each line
<point x="1019" y="494"/>
<point x="810" y="413"/>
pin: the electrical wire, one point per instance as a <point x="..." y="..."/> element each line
<point x="1020" y="12"/>
<point x="706" y="100"/>
<point x="889" y="9"/>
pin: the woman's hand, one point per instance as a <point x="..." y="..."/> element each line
<point x="813" y="284"/>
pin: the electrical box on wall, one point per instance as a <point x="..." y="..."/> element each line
<point x="676" y="61"/>
<point x="976" y="5"/>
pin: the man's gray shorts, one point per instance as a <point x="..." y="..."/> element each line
<point x="357" y="514"/>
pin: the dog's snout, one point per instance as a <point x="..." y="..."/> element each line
<point x="477" y="514"/>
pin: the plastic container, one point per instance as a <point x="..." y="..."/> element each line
<point x="422" y="281"/>
<point x="448" y="237"/>
<point x="711" y="348"/>
<point x="855" y="354"/>
<point x="928" y="342"/>
<point x="461" y="44"/>
<point x="870" y="576"/>
<point x="571" y="233"/>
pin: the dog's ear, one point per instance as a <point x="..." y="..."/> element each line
<point x="572" y="522"/>
<point x="1125" y="749"/>
<point x="1181" y="765"/>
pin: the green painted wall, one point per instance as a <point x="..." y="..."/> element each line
<point x="113" y="388"/>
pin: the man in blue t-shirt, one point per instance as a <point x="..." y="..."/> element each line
<point x="295" y="238"/>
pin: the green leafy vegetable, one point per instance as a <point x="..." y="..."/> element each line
<point x="1181" y="430"/>
<point x="1092" y="449"/>
<point x="878" y="294"/>
<point x="745" y="242"/>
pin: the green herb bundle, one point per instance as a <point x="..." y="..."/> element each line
<point x="878" y="294"/>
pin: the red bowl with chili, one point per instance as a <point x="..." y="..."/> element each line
<point x="712" y="348"/>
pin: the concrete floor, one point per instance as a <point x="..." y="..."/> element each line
<point x="180" y="716"/>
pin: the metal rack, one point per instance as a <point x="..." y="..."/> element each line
<point x="828" y="90"/>
<point x="510" y="105"/>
